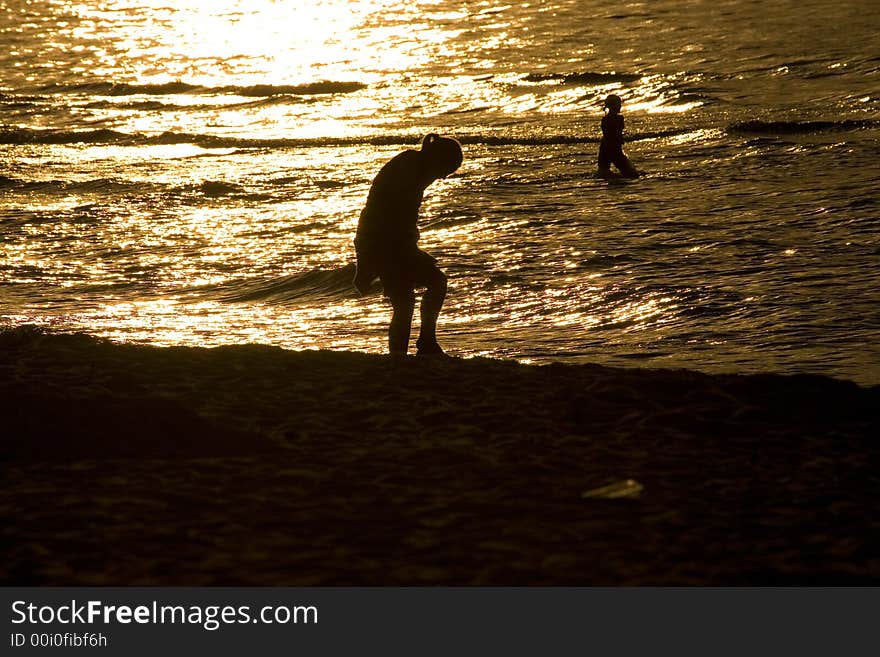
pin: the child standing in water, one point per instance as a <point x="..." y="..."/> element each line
<point x="387" y="237"/>
<point x="611" y="147"/>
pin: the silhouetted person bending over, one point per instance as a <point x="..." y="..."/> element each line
<point x="387" y="237"/>
<point x="611" y="147"/>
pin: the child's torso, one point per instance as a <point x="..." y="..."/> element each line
<point x="612" y="128"/>
<point x="392" y="209"/>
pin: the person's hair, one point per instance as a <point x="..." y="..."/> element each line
<point x="444" y="152"/>
<point x="613" y="100"/>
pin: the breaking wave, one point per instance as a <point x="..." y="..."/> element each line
<point x="589" y="77"/>
<point x="47" y="136"/>
<point x="801" y="127"/>
<point x="169" y="88"/>
<point x="311" y="285"/>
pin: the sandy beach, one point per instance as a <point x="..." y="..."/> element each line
<point x="252" y="465"/>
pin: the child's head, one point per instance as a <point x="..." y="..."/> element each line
<point x="613" y="103"/>
<point x="442" y="155"/>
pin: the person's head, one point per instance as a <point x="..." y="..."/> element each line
<point x="442" y="155"/>
<point x="613" y="103"/>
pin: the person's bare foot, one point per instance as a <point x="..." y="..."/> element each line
<point x="429" y="348"/>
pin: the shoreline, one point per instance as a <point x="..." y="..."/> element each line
<point x="252" y="465"/>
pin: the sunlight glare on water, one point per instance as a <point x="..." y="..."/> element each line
<point x="222" y="42"/>
<point x="192" y="173"/>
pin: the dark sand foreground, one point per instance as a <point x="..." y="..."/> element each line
<point x="253" y="465"/>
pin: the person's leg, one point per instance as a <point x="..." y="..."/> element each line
<point x="604" y="162"/>
<point x="626" y="167"/>
<point x="427" y="274"/>
<point x="403" y="304"/>
<point x="432" y="302"/>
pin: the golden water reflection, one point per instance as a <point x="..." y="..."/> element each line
<point x="198" y="218"/>
<point x="418" y="61"/>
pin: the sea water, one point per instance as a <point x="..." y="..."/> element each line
<point x="191" y="173"/>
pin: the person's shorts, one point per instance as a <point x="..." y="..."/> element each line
<point x="613" y="154"/>
<point x="401" y="271"/>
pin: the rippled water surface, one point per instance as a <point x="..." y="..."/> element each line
<point x="192" y="173"/>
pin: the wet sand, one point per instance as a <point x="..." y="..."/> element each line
<point x="132" y="465"/>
